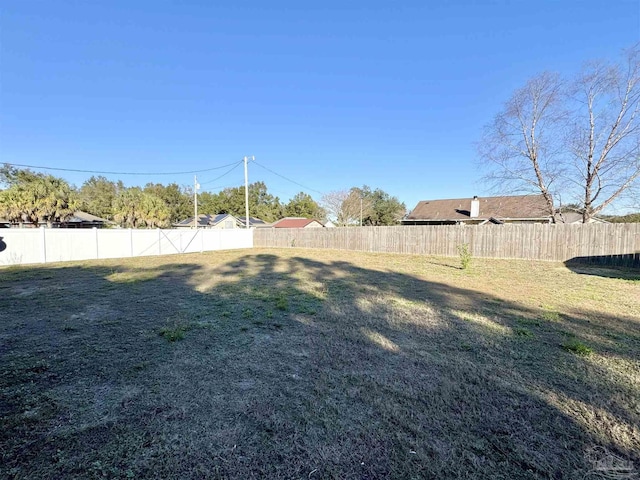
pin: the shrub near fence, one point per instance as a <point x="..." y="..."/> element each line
<point x="617" y="244"/>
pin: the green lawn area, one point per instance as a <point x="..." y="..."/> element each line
<point x="318" y="364"/>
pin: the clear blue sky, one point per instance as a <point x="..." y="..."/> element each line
<point x="331" y="94"/>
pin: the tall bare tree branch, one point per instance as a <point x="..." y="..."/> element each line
<point x="520" y="146"/>
<point x="608" y="97"/>
<point x="577" y="139"/>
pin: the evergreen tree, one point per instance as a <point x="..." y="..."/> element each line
<point x="97" y="196"/>
<point x="302" y="205"/>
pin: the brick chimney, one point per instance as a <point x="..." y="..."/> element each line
<point x="475" y="208"/>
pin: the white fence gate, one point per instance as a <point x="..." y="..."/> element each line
<point x="44" y="245"/>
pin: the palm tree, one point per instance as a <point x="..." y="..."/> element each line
<point x="11" y="205"/>
<point x="126" y="208"/>
<point x="37" y="198"/>
<point x="54" y="201"/>
<point x="154" y="210"/>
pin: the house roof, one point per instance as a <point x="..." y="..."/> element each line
<point x="458" y="209"/>
<point x="80" y="216"/>
<point x="253" y="222"/>
<point x="205" y="220"/>
<point x="293" y="222"/>
<point x="576" y="217"/>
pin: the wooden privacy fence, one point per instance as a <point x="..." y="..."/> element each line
<point x="617" y="244"/>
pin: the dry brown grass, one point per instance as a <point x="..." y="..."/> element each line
<point x="317" y="364"/>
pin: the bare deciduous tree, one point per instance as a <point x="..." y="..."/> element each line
<point x="521" y="145"/>
<point x="578" y="140"/>
<point x="342" y="207"/>
<point x="356" y="207"/>
<point x="345" y="206"/>
<point x="604" y="138"/>
<point x="332" y="203"/>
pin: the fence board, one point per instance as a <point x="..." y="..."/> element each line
<point x="615" y="244"/>
<point x="43" y="245"/>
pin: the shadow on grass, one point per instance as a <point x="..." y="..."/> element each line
<point x="610" y="266"/>
<point x="292" y="367"/>
<point x="443" y="263"/>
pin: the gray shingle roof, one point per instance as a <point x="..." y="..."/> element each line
<point x="458" y="209"/>
<point x="205" y="220"/>
<point x="253" y="221"/>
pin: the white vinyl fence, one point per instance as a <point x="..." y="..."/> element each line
<point x="45" y="245"/>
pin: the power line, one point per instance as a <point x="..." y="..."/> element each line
<point x="236" y="165"/>
<point x="220" y="187"/>
<point x="116" y="173"/>
<point x="288" y="179"/>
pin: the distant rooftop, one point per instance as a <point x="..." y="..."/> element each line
<point x="254" y="222"/>
<point x="294" y="222"/>
<point x="204" y="220"/>
<point x="459" y="209"/>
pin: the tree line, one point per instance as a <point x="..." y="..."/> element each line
<point x="363" y="206"/>
<point x="38" y="198"/>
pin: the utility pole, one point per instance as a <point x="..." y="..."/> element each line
<point x="246" y="191"/>
<point x="196" y="186"/>
<point x="360" y="209"/>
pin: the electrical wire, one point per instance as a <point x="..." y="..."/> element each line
<point x="220" y="187"/>
<point x="117" y="173"/>
<point x="236" y="165"/>
<point x="288" y="179"/>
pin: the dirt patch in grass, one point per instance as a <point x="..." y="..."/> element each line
<point x="317" y="364"/>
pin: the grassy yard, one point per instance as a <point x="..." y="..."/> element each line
<point x="309" y="364"/>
